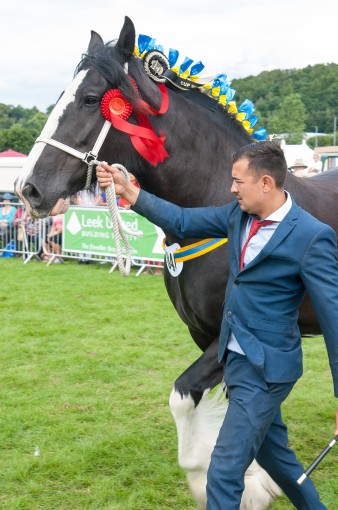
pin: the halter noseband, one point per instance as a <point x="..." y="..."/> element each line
<point x="87" y="157"/>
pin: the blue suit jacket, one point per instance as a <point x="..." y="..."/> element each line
<point x="261" y="301"/>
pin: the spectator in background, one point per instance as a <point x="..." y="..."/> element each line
<point x="317" y="165"/>
<point x="84" y="198"/>
<point x="54" y="239"/>
<point x="101" y="199"/>
<point x="19" y="221"/>
<point x="33" y="233"/>
<point x="7" y="213"/>
<point x="19" y="216"/>
<point x="23" y="225"/>
<point x="299" y="168"/>
<point x="154" y="268"/>
<point x="122" y="202"/>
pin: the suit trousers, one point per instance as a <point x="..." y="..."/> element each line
<point x="253" y="428"/>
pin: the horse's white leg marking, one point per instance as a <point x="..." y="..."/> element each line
<point x="197" y="430"/>
<point x="50" y="127"/>
<point x="260" y="489"/>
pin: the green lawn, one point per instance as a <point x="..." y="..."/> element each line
<point x="88" y="362"/>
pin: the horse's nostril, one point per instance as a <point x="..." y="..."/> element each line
<point x="32" y="194"/>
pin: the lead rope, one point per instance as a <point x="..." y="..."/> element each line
<point x="119" y="228"/>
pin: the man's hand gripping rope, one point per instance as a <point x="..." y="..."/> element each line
<point x="112" y="188"/>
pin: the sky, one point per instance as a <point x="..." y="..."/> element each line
<point x="41" y="41"/>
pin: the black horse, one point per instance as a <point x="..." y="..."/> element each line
<point x="194" y="170"/>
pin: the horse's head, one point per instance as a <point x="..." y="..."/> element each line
<point x="74" y="134"/>
<point x="111" y="82"/>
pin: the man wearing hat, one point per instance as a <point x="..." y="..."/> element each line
<point x="7" y="212"/>
<point x="299" y="168"/>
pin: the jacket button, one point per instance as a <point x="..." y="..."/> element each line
<point x="236" y="282"/>
<point x="229" y="313"/>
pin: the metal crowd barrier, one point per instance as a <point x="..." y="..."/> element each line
<point x="20" y="237"/>
<point x="27" y="239"/>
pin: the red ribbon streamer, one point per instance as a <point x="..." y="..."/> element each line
<point x="143" y="137"/>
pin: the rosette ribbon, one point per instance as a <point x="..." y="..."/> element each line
<point x="116" y="109"/>
<point x="185" y="65"/>
<point x="114" y="103"/>
<point x="246" y="108"/>
<point x="260" y="134"/>
<point x="173" y="57"/>
<point x="196" y="69"/>
<point x="145" y="43"/>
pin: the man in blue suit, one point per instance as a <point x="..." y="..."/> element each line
<point x="277" y="252"/>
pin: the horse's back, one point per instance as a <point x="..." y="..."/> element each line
<point x="318" y="195"/>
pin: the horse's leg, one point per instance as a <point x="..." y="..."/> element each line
<point x="198" y="416"/>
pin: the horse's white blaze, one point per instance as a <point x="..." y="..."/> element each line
<point x="50" y="128"/>
<point x="197" y="431"/>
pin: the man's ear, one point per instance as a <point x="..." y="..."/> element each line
<point x="268" y="183"/>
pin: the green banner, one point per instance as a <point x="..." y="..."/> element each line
<point x="90" y="230"/>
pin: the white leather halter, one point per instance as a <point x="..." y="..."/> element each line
<point x="90" y="158"/>
<point x="87" y="157"/>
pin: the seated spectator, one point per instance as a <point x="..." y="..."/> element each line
<point x="7" y="213"/>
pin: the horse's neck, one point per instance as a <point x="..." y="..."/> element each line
<point x="198" y="171"/>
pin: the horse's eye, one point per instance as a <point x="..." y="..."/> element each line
<point x="91" y="101"/>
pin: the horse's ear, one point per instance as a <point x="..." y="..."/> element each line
<point x="95" y="43"/>
<point x="126" y="40"/>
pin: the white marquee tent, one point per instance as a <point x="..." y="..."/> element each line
<point x="11" y="167"/>
<point x="302" y="151"/>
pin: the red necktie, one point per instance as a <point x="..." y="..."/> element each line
<point x="255" y="226"/>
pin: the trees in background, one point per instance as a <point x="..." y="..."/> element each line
<point x="289" y="118"/>
<point x="317" y="90"/>
<point x="19" y="127"/>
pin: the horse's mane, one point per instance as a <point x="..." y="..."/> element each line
<point x="109" y="62"/>
<point x="223" y="117"/>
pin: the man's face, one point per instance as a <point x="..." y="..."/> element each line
<point x="247" y="188"/>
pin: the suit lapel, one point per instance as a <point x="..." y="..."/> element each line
<point x="237" y="233"/>
<point x="283" y="230"/>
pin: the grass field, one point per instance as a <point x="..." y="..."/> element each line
<point x="88" y="362"/>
